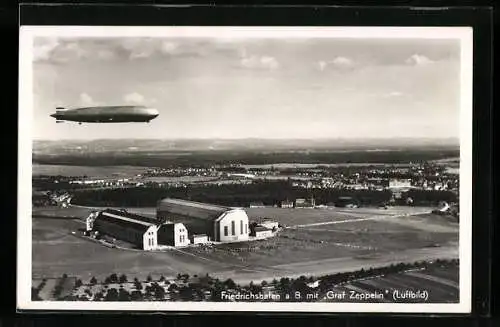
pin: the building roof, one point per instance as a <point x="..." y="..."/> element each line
<point x="192" y="209"/>
<point x="133" y="216"/>
<point x="119" y="218"/>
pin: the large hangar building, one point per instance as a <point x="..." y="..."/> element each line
<point x="220" y="224"/>
<point x="144" y="232"/>
<point x="129" y="227"/>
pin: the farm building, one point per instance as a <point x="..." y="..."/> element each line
<point x="174" y="234"/>
<point x="220" y="224"/>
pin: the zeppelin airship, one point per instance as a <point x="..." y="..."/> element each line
<point x="106" y="114"/>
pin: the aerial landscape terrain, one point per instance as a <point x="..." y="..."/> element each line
<point x="390" y="236"/>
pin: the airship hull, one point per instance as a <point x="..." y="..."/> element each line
<point x="110" y="114"/>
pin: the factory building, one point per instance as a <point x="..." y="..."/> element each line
<point x="220" y="224"/>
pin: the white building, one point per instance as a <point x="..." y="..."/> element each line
<point x="399" y="183"/>
<point x="262" y="232"/>
<point x="221" y="224"/>
<point x="174" y="234"/>
<point x="199" y="239"/>
<point x="270" y="224"/>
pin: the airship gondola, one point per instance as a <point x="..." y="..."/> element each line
<point x="106" y="114"/>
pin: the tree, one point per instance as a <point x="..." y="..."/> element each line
<point x="111" y="295"/>
<point x="162" y="278"/>
<point x="123" y="295"/>
<point x="159" y="292"/>
<point x="34" y="295"/>
<point x="149" y="278"/>
<point x="123" y="279"/>
<point x="264" y="283"/>
<point x="113" y="278"/>
<point x="186" y="294"/>
<point x="136" y="296"/>
<point x="138" y="285"/>
<point x="98" y="296"/>
<point x="230" y="284"/>
<point x="78" y="283"/>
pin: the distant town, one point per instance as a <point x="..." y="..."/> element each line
<point x="396" y="179"/>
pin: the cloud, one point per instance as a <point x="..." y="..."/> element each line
<point x="63" y="50"/>
<point x="134" y="98"/>
<point x="341" y="61"/>
<point x="142" y="48"/>
<point x="418" y="60"/>
<point x="43" y="48"/>
<point x="106" y="54"/>
<point x="337" y="62"/>
<point x="86" y="100"/>
<point x="168" y="47"/>
<point x="394" y="94"/>
<point x="322" y="65"/>
<point x="258" y="62"/>
<point x="390" y="95"/>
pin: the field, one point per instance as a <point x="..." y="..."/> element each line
<point x="94" y="171"/>
<point x="344" y="240"/>
<point x="441" y="284"/>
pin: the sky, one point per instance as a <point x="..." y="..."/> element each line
<point x="260" y="88"/>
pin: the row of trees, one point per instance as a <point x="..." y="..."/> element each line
<point x="211" y="158"/>
<point x="195" y="288"/>
<point x="269" y="193"/>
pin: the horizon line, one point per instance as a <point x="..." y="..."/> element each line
<point x="257" y="138"/>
